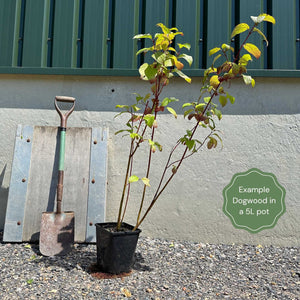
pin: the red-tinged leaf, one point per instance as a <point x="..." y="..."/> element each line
<point x="252" y="49"/>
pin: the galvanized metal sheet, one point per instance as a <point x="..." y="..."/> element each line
<point x="97" y="183"/>
<point x="39" y="191"/>
<point x="15" y="211"/>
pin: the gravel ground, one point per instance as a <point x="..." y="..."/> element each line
<point x="163" y="270"/>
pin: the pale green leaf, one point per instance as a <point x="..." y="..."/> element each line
<point x="226" y="47"/>
<point x="239" y="29"/>
<point x="187" y="58"/>
<point x="172" y="111"/>
<point x="143" y="50"/>
<point x="142" y="69"/>
<point x="149" y="119"/>
<point x="187" y="104"/>
<point x="185" y="77"/>
<point x="215" y="59"/>
<point x="262" y="34"/>
<point x="146" y="181"/>
<point x="200" y="106"/>
<point x="185" y="45"/>
<point x="247" y="79"/>
<point x="213" y="51"/>
<point x="133" y="178"/>
<point x="143" y="36"/>
<point x="187" y="112"/>
<point x="218" y="113"/>
<point x="167" y="100"/>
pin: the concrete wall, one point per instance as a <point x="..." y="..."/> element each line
<point x="261" y="130"/>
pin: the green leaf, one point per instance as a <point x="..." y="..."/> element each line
<point x="134" y="135"/>
<point x="167" y="100"/>
<point x="231" y="98"/>
<point x="185" y="45"/>
<point x="215" y="134"/>
<point x="244" y="59"/>
<point x="262" y="34"/>
<point x="252" y="49"/>
<point x="133" y="178"/>
<point x="200" y="106"/>
<point x="158" y="145"/>
<point x="223" y="100"/>
<point x="172" y="111"/>
<point x="143" y="36"/>
<point x="190" y="144"/>
<point x="206" y="99"/>
<point x="185" y="77"/>
<point x="160" y="57"/>
<point x="149" y="119"/>
<point x="165" y="29"/>
<point x="218" y="113"/>
<point x="215" y="59"/>
<point x="213" y="51"/>
<point x="122" y="106"/>
<point x="29" y="281"/>
<point x="135" y="108"/>
<point x="187" y="112"/>
<point x="150" y="72"/>
<point x="239" y="29"/>
<point x="187" y="104"/>
<point x="123" y="130"/>
<point x="146" y="181"/>
<point x="144" y="50"/>
<point x="187" y="58"/>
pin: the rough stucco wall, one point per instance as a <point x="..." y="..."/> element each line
<point x="261" y="130"/>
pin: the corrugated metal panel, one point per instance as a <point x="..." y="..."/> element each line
<point x="7" y="25"/>
<point x="190" y="26"/>
<point x="63" y="39"/>
<point x="247" y="9"/>
<point x="122" y="50"/>
<point x="219" y="24"/>
<point x="97" y="34"/>
<point x="33" y="33"/>
<point x="284" y="34"/>
<point x="94" y="37"/>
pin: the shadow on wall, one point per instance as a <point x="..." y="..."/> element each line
<point x="103" y="93"/>
<point x="3" y="199"/>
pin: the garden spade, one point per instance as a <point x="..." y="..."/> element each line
<point x="57" y="228"/>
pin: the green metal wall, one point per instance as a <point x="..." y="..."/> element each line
<point x="81" y="36"/>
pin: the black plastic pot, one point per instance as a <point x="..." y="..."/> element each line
<point x="115" y="249"/>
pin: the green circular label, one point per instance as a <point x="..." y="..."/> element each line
<point x="254" y="200"/>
